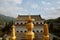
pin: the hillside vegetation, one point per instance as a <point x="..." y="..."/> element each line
<point x="7" y="22"/>
<point x="54" y="26"/>
<point x="4" y="18"/>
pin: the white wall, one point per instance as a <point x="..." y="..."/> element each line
<point x="23" y="28"/>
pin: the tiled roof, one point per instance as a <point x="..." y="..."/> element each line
<point x="24" y="17"/>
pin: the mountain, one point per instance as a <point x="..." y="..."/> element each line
<point x="4" y="18"/>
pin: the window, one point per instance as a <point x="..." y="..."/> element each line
<point x="41" y="31"/>
<point x="21" y="31"/>
<point x="21" y="23"/>
<point x="37" y="31"/>
<point x="33" y="31"/>
<point x="36" y="22"/>
<point x="17" y="31"/>
<point x="17" y="23"/>
<point x="41" y="22"/>
<point x="25" y="31"/>
<point x="25" y="22"/>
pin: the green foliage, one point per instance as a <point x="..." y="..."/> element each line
<point x="3" y="38"/>
<point x="1" y="34"/>
<point x="55" y="30"/>
<point x="50" y="27"/>
<point x="8" y="23"/>
<point x="57" y="20"/>
<point x="55" y="38"/>
<point x="5" y="19"/>
<point x="7" y="28"/>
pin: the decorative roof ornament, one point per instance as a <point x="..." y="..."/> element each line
<point x="29" y="19"/>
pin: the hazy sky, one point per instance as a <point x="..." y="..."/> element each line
<point x="46" y="8"/>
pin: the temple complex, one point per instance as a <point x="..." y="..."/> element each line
<point x="30" y="27"/>
<point x="21" y="29"/>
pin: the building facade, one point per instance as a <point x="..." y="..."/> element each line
<point x="20" y="24"/>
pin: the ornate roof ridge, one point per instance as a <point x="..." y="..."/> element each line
<point x="28" y="15"/>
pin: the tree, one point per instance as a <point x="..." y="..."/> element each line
<point x="3" y="38"/>
<point x="7" y="29"/>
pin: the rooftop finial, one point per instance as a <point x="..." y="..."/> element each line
<point x="30" y="18"/>
<point x="29" y="15"/>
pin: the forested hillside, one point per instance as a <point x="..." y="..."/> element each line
<point x="4" y="18"/>
<point x="54" y="26"/>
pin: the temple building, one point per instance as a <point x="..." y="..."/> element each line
<point x="20" y="24"/>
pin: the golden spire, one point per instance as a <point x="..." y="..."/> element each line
<point x="46" y="32"/>
<point x="12" y="36"/>
<point x="29" y="18"/>
<point x="29" y="26"/>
